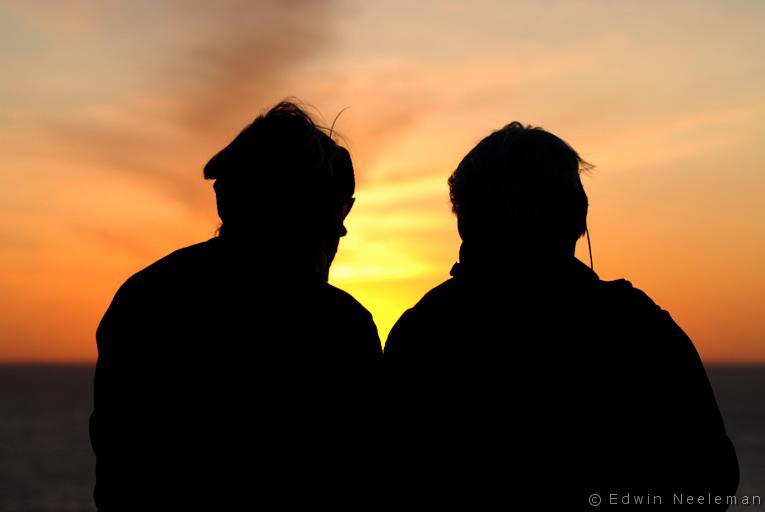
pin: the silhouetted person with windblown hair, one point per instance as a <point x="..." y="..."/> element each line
<point x="230" y="374"/>
<point x="525" y="381"/>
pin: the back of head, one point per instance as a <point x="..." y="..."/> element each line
<point x="522" y="182"/>
<point x="284" y="180"/>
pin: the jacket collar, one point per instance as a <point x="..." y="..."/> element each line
<point x="498" y="264"/>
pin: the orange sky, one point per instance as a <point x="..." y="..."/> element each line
<point x="109" y="110"/>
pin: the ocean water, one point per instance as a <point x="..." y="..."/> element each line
<point x="46" y="463"/>
<point x="740" y="392"/>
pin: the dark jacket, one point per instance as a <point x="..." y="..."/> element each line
<point x="227" y="379"/>
<point x="539" y="385"/>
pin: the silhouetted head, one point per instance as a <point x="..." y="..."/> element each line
<point x="283" y="180"/>
<point x="520" y="182"/>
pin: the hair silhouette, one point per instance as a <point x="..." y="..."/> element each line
<point x="527" y="381"/>
<point x="230" y="374"/>
<point x="285" y="158"/>
<point x="522" y="179"/>
<point x="285" y="180"/>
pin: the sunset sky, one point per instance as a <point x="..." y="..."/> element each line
<point x="110" y="109"/>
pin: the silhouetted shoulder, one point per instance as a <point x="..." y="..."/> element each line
<point x="623" y="290"/>
<point x="436" y="302"/>
<point x="439" y="303"/>
<point x="344" y="300"/>
<point x="186" y="259"/>
<point x="631" y="303"/>
<point x="144" y="290"/>
<point x="658" y="338"/>
<point x="439" y="296"/>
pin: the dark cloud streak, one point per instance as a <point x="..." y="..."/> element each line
<point x="243" y="58"/>
<point x="219" y="65"/>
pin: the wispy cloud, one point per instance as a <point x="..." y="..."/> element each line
<point x="234" y="57"/>
<point x="187" y="75"/>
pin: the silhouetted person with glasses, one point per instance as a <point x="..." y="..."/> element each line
<point x="230" y="375"/>
<point x="526" y="382"/>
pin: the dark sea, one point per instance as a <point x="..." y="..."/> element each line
<point x="46" y="463"/>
